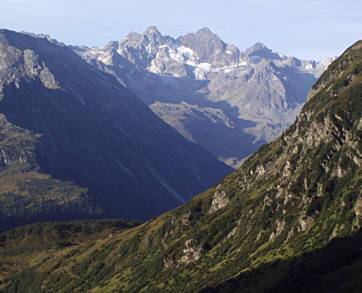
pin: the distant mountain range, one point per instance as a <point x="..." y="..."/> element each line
<point x="227" y="101"/>
<point x="75" y="143"/>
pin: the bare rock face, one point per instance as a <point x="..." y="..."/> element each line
<point x="279" y="229"/>
<point x="191" y="252"/>
<point x="18" y="65"/>
<point x="358" y="207"/>
<point x="358" y="212"/>
<point x="305" y="223"/>
<point x="209" y="48"/>
<point x="35" y="68"/>
<point x="219" y="201"/>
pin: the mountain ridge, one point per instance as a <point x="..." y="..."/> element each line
<point x="261" y="95"/>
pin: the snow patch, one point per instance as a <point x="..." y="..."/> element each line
<point x="205" y="66"/>
<point x="175" y="55"/>
<point x="153" y="68"/>
<point x="191" y="62"/>
<point x="185" y="51"/>
<point x="106" y="59"/>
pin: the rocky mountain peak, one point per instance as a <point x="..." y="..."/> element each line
<point x="141" y="49"/>
<point x="153" y="32"/>
<point x="259" y="46"/>
<point x="205" y="31"/>
<point x="262" y="51"/>
<point x="205" y="43"/>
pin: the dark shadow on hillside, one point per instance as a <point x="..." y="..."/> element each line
<point x="336" y="267"/>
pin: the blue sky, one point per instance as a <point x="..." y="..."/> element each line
<point x="308" y="29"/>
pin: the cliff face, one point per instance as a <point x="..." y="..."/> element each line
<point x="63" y="118"/>
<point x="290" y="215"/>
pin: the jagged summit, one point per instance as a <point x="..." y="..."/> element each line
<point x="259" y="45"/>
<point x="152" y="30"/>
<point x="208" y="46"/>
<point x="262" y="51"/>
<point x="205" y="30"/>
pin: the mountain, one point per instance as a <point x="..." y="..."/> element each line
<point x="288" y="220"/>
<point x="229" y="102"/>
<point x="73" y="141"/>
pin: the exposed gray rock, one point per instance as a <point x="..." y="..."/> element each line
<point x="305" y="222"/>
<point x="358" y="207"/>
<point x="336" y="231"/>
<point x="279" y="229"/>
<point x="209" y="48"/>
<point x="191" y="253"/>
<point x="35" y="68"/>
<point x="219" y="201"/>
